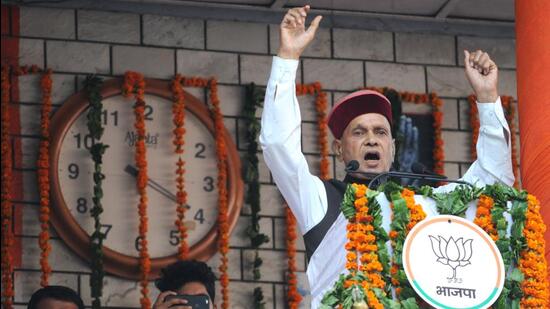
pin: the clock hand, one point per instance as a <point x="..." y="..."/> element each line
<point x="153" y="184"/>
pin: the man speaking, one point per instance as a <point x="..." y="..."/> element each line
<point x="361" y="124"/>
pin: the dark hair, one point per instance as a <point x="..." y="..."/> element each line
<point x="180" y="273"/>
<point x="56" y="292"/>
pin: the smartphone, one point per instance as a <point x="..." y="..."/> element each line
<point x="200" y="301"/>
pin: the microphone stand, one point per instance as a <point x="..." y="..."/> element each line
<point x="377" y="177"/>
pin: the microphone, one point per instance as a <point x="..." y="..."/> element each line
<point x="353" y="165"/>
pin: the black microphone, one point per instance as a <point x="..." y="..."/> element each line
<point x="353" y="165"/>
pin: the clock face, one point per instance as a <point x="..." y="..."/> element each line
<point x="120" y="202"/>
<point x="72" y="183"/>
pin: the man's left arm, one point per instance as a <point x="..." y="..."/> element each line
<point x="493" y="146"/>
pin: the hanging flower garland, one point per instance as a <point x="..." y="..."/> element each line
<point x="44" y="176"/>
<point x="221" y="153"/>
<point x="254" y="99"/>
<point x="406" y="214"/>
<point x="532" y="262"/>
<point x="438" y="152"/>
<point x="321" y="105"/>
<point x="510" y="116"/>
<point x="7" y="184"/>
<point x="178" y="111"/>
<point x="294" y="297"/>
<point x="93" y="85"/>
<point x="483" y="216"/>
<point x="134" y="84"/>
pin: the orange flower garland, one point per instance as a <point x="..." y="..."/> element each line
<point x="438" y="152"/>
<point x="135" y="84"/>
<point x="483" y="217"/>
<point x="322" y="123"/>
<point x="7" y="211"/>
<point x="361" y="246"/>
<point x="510" y="115"/>
<point x="223" y="222"/>
<point x="221" y="152"/>
<point x="44" y="177"/>
<point x="416" y="214"/>
<point x="294" y="297"/>
<point x="532" y="263"/>
<point x="178" y="110"/>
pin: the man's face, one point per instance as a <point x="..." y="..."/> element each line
<point x="50" y="303"/>
<point x="367" y="139"/>
<point x="194" y="288"/>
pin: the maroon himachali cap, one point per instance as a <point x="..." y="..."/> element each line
<point x="356" y="104"/>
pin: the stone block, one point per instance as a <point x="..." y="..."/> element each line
<point x="464" y="115"/>
<point x="61" y="258"/>
<point x="30" y="91"/>
<point x="241" y="294"/>
<point x="457" y="146"/>
<point x="233" y="267"/>
<point x="236" y="36"/>
<point x="108" y="26"/>
<point x="310" y="138"/>
<point x="274" y="265"/>
<point x="281" y="291"/>
<point x="502" y="51"/>
<point x="30" y="186"/>
<point x="507" y="83"/>
<point x="362" y="44"/>
<point x="401" y="77"/>
<point x="29" y="152"/>
<point x="239" y="237"/>
<point x="448" y="82"/>
<point x="117" y="292"/>
<point x="452" y="170"/>
<point x="271" y="201"/>
<point x="47" y="22"/>
<point x="173" y="31"/>
<point x="450" y="114"/>
<point x="27" y="282"/>
<point x="319" y="47"/>
<point x="256" y="69"/>
<point x="223" y="66"/>
<point x="314" y="165"/>
<point x="78" y="57"/>
<point x="150" y="61"/>
<point x="280" y="236"/>
<point x="232" y="99"/>
<point x="425" y="48"/>
<point x="334" y="74"/>
<point x="308" y="111"/>
<point x="31" y="52"/>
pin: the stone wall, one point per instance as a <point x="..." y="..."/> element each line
<point x="76" y="42"/>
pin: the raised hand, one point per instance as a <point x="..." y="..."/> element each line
<point x="482" y="73"/>
<point x="408" y="149"/>
<point x="294" y="37"/>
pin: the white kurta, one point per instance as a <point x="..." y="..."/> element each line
<point x="305" y="194"/>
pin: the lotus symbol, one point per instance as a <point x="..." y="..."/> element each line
<point x="455" y="253"/>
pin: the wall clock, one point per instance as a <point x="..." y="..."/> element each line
<point x="72" y="183"/>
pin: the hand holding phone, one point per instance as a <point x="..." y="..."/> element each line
<point x="200" y="301"/>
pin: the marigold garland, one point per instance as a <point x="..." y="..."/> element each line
<point x="438" y="151"/>
<point x="413" y="213"/>
<point x="44" y="176"/>
<point x="321" y="105"/>
<point x="178" y="111"/>
<point x="532" y="262"/>
<point x="510" y="116"/>
<point x="135" y="84"/>
<point x="7" y="211"/>
<point x="483" y="216"/>
<point x="294" y="297"/>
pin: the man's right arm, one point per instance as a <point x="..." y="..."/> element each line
<point x="280" y="139"/>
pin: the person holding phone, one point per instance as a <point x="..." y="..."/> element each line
<point x="186" y="285"/>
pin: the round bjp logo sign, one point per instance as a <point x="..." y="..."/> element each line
<point x="452" y="263"/>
